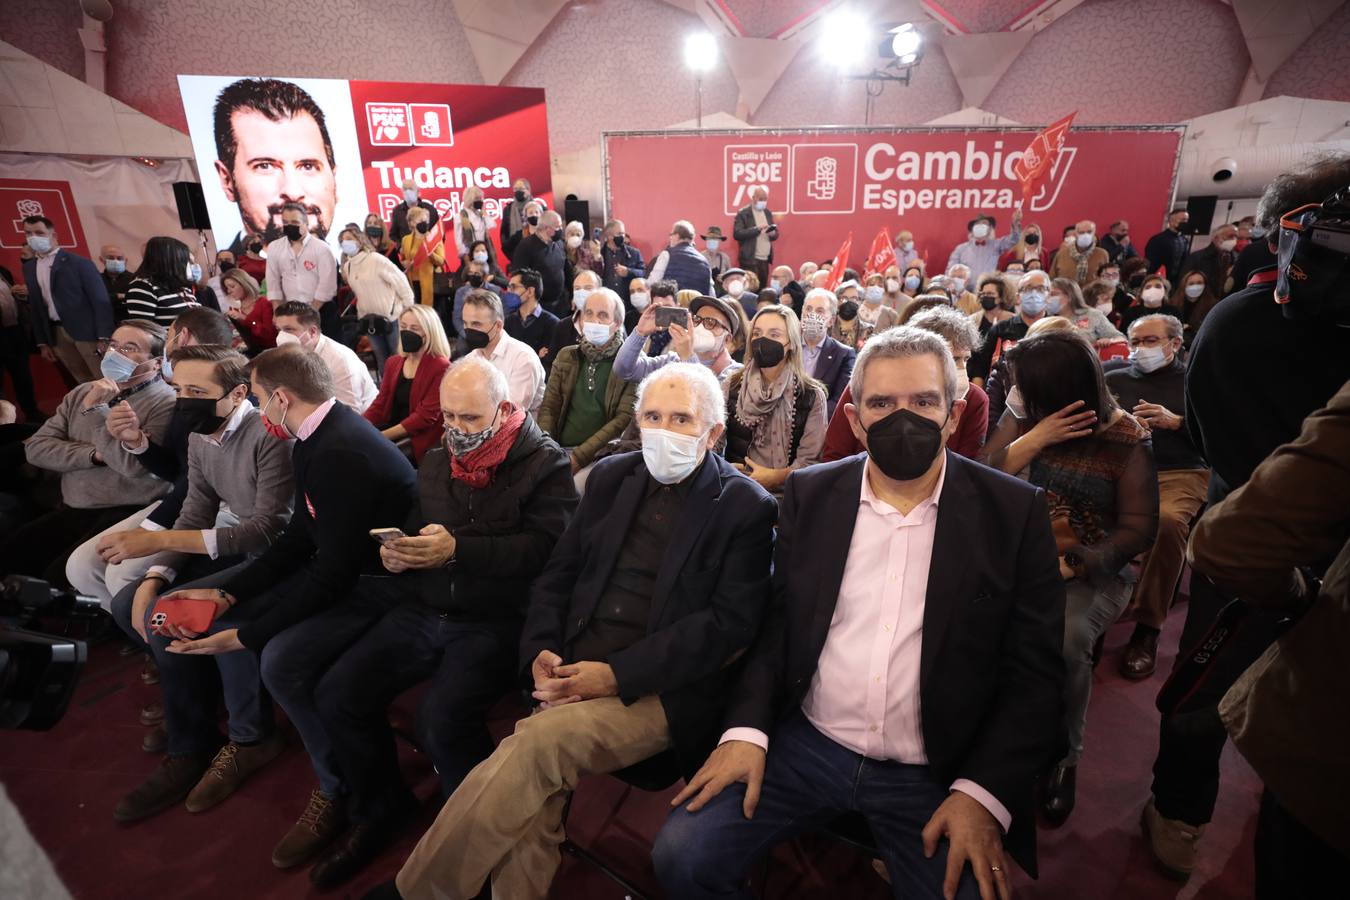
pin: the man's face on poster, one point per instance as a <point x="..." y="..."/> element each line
<point x="276" y="163"/>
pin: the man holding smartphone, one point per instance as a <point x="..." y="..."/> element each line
<point x="661" y="336"/>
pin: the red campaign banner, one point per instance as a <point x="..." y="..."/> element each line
<point x="447" y="138"/>
<point x="23" y="197"/>
<point x="825" y="183"/>
<point x="1040" y="156"/>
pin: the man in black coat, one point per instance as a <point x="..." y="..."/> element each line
<point x="654" y="591"/>
<point x="488" y="516"/>
<point x="540" y="252"/>
<point x="755" y="232"/>
<point x="1215" y="262"/>
<point x="911" y="670"/>
<point x="398" y="219"/>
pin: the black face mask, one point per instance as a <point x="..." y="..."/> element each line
<point x="848" y="310"/>
<point x="412" y="341"/>
<point x="476" y="280"/>
<point x="478" y="204"/>
<point x="374" y="232"/>
<point x="292" y="232"/>
<point x="225" y="267"/>
<point x="533" y="220"/>
<point x="904" y="444"/>
<point x="767" y="352"/>
<point x="1032" y="239"/>
<point x="194" y="415"/>
<point x="520" y="196"/>
<point x="423" y="227"/>
<point x="989" y="302"/>
<point x="475" y="339"/>
<point x="255" y="247"/>
<point x="619" y="239"/>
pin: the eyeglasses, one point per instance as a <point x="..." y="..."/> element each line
<point x="126" y="349"/>
<point x="1148" y="341"/>
<point x="713" y="325"/>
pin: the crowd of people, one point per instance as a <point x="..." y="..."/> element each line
<point x="876" y="520"/>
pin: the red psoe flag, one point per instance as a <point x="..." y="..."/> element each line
<point x="840" y="264"/>
<point x="1040" y="156"/>
<point x="434" y="238"/>
<point x="882" y="255"/>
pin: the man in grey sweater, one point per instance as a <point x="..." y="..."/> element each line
<point x="233" y="465"/>
<point x="101" y="483"/>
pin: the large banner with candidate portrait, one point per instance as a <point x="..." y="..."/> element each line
<point x="825" y="183"/>
<point x="342" y="148"/>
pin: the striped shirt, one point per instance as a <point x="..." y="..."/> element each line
<point x="147" y="300"/>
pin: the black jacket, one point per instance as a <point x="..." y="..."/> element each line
<point x="1209" y="262"/>
<point x="504" y="532"/>
<point x="398" y="221"/>
<point x="711" y="593"/>
<point x="349" y="478"/>
<point x="991" y="663"/>
<point x="746" y="233"/>
<point x="548" y="259"/>
<point x="834" y="365"/>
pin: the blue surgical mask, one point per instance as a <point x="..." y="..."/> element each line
<point x="511" y="301"/>
<point x="761" y="205"/>
<point x="116" y="367"/>
<point x="911" y="282"/>
<point x="579" y="297"/>
<point x="1033" y="302"/>
<point x="1148" y="359"/>
<point x="596" y="333"/>
<point x="40" y="243"/>
<point x="410" y="197"/>
<point x="194" y="273"/>
<point x="872" y="296"/>
<point x="480" y="257"/>
<point x="714" y="243"/>
<point x="1194" y="290"/>
<point x="115" y="266"/>
<point x="1053" y="304"/>
<point x="351" y="248"/>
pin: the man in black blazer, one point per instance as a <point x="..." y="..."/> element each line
<point x="755" y="232"/>
<point x="911" y="669"/>
<point x="654" y="590"/>
<point x="825" y="359"/>
<point x="71" y="312"/>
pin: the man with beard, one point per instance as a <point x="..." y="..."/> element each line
<point x="272" y="148"/>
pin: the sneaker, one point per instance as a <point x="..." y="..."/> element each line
<point x="166" y="787"/>
<point x="323" y="820"/>
<point x="1174" y="843"/>
<point x="231" y="767"/>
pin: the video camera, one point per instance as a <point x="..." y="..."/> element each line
<point x="38" y="671"/>
<point x="1314" y="260"/>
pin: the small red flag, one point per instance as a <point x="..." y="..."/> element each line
<point x="434" y="238"/>
<point x="882" y="255"/>
<point x="1040" y="156"/>
<point x="840" y="264"/>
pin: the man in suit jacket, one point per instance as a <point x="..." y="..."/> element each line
<point x="902" y="675"/>
<point x="825" y="359"/>
<point x="72" y="315"/>
<point x="754" y="230"/>
<point x="1215" y="262"/>
<point x="656" y="587"/>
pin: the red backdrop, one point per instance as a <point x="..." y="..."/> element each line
<point x="21" y="197"/>
<point x="823" y="184"/>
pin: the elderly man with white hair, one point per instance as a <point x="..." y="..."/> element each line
<point x="585" y="404"/>
<point x="661" y="578"/>
<point x="681" y="263"/>
<point x="960" y="280"/>
<point x="1033" y="292"/>
<point x="824" y="358"/>
<point x="1081" y="260"/>
<point x="491" y="503"/>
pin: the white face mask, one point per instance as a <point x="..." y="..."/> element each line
<point x="761" y="205"/>
<point x="704" y="342"/>
<point x="872" y="296"/>
<point x="814" y="327"/>
<point x="351" y="248"/>
<point x="958" y="285"/>
<point x="1105" y="306"/>
<point x="671" y="457"/>
<point x="979" y="231"/>
<point x="640" y="300"/>
<point x="410" y="197"/>
<point x="1194" y="290"/>
<point x="579" y="296"/>
<point x="1084" y="241"/>
<point x="735" y="287"/>
<point x="1149" y="359"/>
<point x="596" y="333"/>
<point x="574" y="241"/>
<point x="893" y="286"/>
<point x="908" y="246"/>
<point x="1152" y="296"/>
<point x="480" y="257"/>
<point x="1015" y="404"/>
<point x="285" y="337"/>
<point x="1228" y="245"/>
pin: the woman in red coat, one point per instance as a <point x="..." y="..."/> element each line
<point x="408" y="405"/>
<point x="250" y="313"/>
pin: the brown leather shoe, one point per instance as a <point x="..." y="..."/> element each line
<point x="167" y="786"/>
<point x="156" y="740"/>
<point x="322" y="821"/>
<point x="150" y="672"/>
<point x="232" y="765"/>
<point x="152" y="714"/>
<point x="1141" y="656"/>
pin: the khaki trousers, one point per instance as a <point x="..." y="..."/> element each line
<point x="505" y="819"/>
<point x="79" y="357"/>
<point x="1181" y="493"/>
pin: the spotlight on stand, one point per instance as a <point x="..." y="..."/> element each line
<point x="903" y="43"/>
<point x="700" y="55"/>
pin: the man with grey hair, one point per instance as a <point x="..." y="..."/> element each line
<point x="485" y="336"/>
<point x="755" y="232"/>
<point x="620" y="260"/>
<point x="542" y="250"/>
<point x="1152" y="387"/>
<point x="681" y="263"/>
<point x="875" y="701"/>
<point x="960" y="282"/>
<point x="1033" y="292"/>
<point x="660" y="581"/>
<point x="1254" y="374"/>
<point x="963" y="339"/>
<point x="825" y="359"/>
<point x="1082" y="259"/>
<point x="492" y="500"/>
<point x="398" y="219"/>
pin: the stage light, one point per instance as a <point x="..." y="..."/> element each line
<point x="843" y="37"/>
<point x="700" y="51"/>
<point x="904" y="43"/>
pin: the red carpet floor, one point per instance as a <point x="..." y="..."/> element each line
<point x="67" y="781"/>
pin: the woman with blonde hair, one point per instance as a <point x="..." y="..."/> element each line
<point x="382" y="292"/>
<point x="775" y="411"/>
<point x="474" y="225"/>
<point x="421" y="275"/>
<point x="1031" y="246"/>
<point x="250" y="312"/>
<point x="378" y="233"/>
<point x="408" y="406"/>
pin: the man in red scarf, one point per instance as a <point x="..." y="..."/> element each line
<point x="492" y="501"/>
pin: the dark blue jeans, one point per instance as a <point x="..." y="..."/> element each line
<point x="471" y="664"/>
<point x="809" y="781"/>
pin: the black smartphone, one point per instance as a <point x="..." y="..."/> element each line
<point x="669" y="315"/>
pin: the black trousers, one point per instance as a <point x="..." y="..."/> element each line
<point x="40" y="547"/>
<point x="14" y="355"/>
<point x="1293" y="863"/>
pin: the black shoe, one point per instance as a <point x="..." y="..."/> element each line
<point x="1058" y="799"/>
<point x="351" y="853"/>
<point x="1141" y="656"/>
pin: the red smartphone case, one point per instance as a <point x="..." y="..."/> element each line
<point x="192" y="615"/>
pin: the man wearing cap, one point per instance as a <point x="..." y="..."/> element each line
<point x="717" y="258"/>
<point x="681" y="263"/>
<point x="734" y="290"/>
<point x="755" y="232"/>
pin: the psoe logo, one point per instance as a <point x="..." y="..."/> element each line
<point x="389" y="125"/>
<point x="822" y="187"/>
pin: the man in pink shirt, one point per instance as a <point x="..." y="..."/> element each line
<point x="911" y="671"/>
